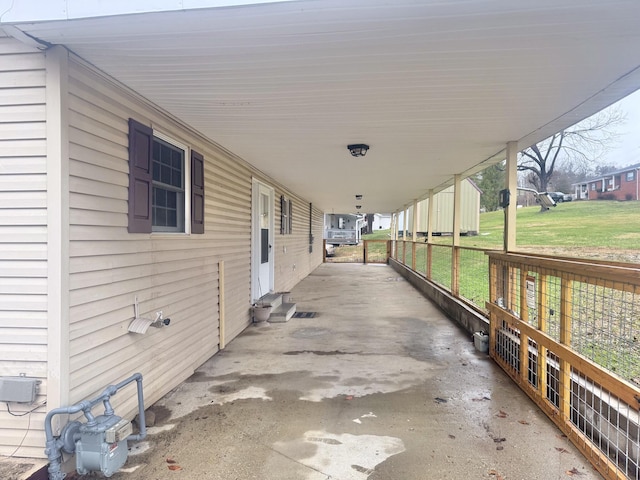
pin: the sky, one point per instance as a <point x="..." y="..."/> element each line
<point x="627" y="151"/>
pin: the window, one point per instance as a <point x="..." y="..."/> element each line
<point x="168" y="187"/>
<point x="593" y="186"/>
<point x="160" y="183"/>
<point x="630" y="176"/>
<point x="286" y="214"/>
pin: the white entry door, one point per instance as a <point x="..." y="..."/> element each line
<point x="262" y="240"/>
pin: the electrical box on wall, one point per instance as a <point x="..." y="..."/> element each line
<point x="18" y="389"/>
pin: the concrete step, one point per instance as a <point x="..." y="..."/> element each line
<point x="273" y="299"/>
<point x="283" y="313"/>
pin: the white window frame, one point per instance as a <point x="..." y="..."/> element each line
<point x="187" y="184"/>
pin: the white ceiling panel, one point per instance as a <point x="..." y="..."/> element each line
<point x="435" y="88"/>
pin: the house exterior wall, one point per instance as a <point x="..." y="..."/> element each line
<point x="615" y="187"/>
<point x="23" y="237"/>
<point x="175" y="273"/>
<point x="293" y="261"/>
<point x="107" y="267"/>
<point x="342" y="229"/>
<point x="381" y="222"/>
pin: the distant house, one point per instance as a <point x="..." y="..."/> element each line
<point x="343" y="228"/>
<point x="381" y="221"/>
<point x="621" y="184"/>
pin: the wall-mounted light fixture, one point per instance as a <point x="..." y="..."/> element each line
<point x="358" y="149"/>
<point x="358" y="197"/>
<point x="358" y="207"/>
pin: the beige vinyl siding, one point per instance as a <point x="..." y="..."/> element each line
<point x="175" y="273"/>
<point x="23" y="239"/>
<point x="293" y="261"/>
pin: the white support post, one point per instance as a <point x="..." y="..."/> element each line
<point x="457" y="199"/>
<point x="430" y="217"/>
<point x="405" y="223"/>
<point x="414" y="221"/>
<point x="512" y="185"/>
<point x="58" y="349"/>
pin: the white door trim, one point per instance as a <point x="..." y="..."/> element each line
<point x="257" y="289"/>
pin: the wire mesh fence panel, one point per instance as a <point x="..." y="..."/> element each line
<point x="550" y="310"/>
<point x="473" y="274"/>
<point x="421" y="258"/>
<point x="610" y="423"/>
<point x="553" y="379"/>
<point x="376" y="251"/>
<point x="605" y="321"/>
<point x="580" y="322"/>
<point x="507" y="347"/>
<point x="347" y="254"/>
<point x="441" y="265"/>
<point x="408" y="257"/>
<point x="403" y="246"/>
<point x="532" y="364"/>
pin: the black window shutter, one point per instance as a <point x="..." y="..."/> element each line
<point x="140" y="178"/>
<point x="283" y="218"/>
<point x="197" y="192"/>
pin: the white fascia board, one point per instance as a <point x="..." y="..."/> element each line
<point x="19" y="11"/>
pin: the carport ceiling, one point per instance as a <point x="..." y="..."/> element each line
<point x="435" y="87"/>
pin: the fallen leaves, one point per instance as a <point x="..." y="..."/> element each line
<point x="573" y="471"/>
<point x="562" y="450"/>
<point x="495" y="473"/>
<point x="480" y="399"/>
<point x="502" y="414"/>
<point x="172" y="464"/>
<point x="524" y="422"/>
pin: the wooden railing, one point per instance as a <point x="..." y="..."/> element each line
<point x="377" y="251"/>
<point x="463" y="271"/>
<point x="568" y="332"/>
<point x="368" y="251"/>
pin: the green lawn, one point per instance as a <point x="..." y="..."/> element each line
<point x="591" y="225"/>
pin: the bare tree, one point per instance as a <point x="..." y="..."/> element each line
<point x="577" y="147"/>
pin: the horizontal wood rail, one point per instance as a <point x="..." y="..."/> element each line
<point x="568" y="332"/>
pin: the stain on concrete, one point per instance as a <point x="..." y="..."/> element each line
<point x="329" y="441"/>
<point x="320" y="352"/>
<point x="311" y="332"/>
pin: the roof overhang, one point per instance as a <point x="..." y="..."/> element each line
<point x="435" y="88"/>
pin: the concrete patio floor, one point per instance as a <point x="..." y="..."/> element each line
<point x="380" y="385"/>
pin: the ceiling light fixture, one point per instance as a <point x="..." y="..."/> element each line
<point x="358" y="149"/>
<point x="358" y="207"/>
<point x="358" y="197"/>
